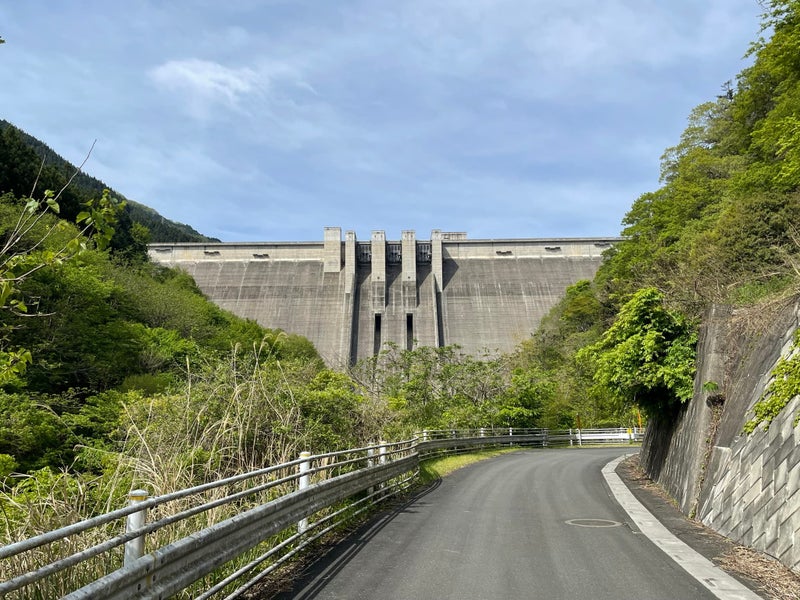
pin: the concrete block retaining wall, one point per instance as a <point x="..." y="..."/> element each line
<point x="745" y="487"/>
<point x="755" y="495"/>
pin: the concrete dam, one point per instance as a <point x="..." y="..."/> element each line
<point x="351" y="297"/>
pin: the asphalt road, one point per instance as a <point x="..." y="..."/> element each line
<point x="532" y="524"/>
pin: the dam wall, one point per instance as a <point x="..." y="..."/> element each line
<point x="350" y="298"/>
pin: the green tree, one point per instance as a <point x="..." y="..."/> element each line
<point x="647" y="356"/>
<point x="32" y="241"/>
<point x="32" y="432"/>
<point x="568" y="396"/>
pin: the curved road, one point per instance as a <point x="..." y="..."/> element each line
<point x="532" y="524"/>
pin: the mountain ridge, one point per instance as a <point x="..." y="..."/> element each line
<point x="161" y="228"/>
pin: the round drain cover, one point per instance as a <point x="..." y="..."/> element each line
<point x="593" y="523"/>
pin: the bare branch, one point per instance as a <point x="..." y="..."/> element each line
<point x="77" y="170"/>
<point x="38" y="175"/>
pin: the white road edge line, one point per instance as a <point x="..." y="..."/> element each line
<point x="717" y="581"/>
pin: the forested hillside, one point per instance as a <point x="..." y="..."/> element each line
<point x="722" y="228"/>
<point x="22" y="156"/>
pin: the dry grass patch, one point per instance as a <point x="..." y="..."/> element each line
<point x="776" y="579"/>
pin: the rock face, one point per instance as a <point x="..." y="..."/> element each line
<point x="747" y="487"/>
<point x="350" y="298"/>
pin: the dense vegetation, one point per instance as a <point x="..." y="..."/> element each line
<point x="443" y="388"/>
<point x="723" y="227"/>
<point x="102" y="332"/>
<point x="120" y="372"/>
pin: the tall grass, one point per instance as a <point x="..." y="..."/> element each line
<point x="229" y="417"/>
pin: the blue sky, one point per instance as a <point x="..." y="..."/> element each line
<point x="269" y="120"/>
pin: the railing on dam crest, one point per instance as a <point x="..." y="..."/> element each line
<point x="250" y="524"/>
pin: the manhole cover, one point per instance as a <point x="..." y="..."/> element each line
<point x="593" y="523"/>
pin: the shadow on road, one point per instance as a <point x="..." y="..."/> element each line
<point x="313" y="580"/>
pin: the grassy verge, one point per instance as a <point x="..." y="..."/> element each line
<point x="436" y="468"/>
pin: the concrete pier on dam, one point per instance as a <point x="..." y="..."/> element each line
<point x="351" y="297"/>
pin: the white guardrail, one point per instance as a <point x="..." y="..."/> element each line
<point x="255" y="521"/>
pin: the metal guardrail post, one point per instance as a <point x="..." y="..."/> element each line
<point x="580" y="439"/>
<point x="302" y="483"/>
<point x="370" y="463"/>
<point x="134" y="549"/>
<point x="382" y="459"/>
<point x="382" y="453"/>
<point x="482" y="432"/>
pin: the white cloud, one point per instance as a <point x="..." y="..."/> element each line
<point x="204" y="83"/>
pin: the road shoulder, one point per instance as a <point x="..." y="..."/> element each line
<point x="760" y="573"/>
